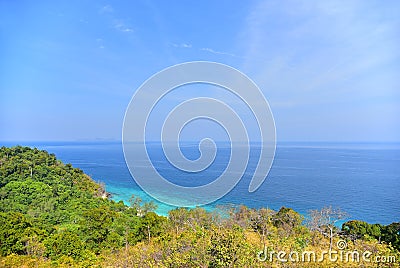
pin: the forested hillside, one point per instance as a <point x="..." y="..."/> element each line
<point x="54" y="211"/>
<point x="53" y="215"/>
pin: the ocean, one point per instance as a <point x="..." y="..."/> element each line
<point x="362" y="179"/>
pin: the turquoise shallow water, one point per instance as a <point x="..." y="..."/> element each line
<point x="362" y="179"/>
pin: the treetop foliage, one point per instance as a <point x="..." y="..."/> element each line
<point x="54" y="215"/>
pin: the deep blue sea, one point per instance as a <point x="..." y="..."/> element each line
<point x="362" y="179"/>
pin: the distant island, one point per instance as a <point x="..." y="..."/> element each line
<point x="54" y="215"/>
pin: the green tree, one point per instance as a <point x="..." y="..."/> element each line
<point x="96" y="227"/>
<point x="391" y="234"/>
<point x="141" y="208"/>
<point x="151" y="225"/>
<point x="65" y="243"/>
<point x="355" y="229"/>
<point x="228" y="248"/>
<point x="288" y="221"/>
<point x="15" y="231"/>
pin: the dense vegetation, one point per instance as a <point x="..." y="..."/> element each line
<point x="52" y="214"/>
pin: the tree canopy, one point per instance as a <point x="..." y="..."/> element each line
<point x="54" y="215"/>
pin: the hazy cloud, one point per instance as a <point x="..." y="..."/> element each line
<point x="122" y="27"/>
<point x="218" y="52"/>
<point x="117" y="23"/>
<point x="182" y="45"/>
<point x="106" y="9"/>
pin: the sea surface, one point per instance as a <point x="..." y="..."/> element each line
<point x="362" y="179"/>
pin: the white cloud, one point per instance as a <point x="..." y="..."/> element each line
<point x="317" y="43"/>
<point x="117" y="23"/>
<point x="106" y="9"/>
<point x="325" y="59"/>
<point x="182" y="45"/>
<point x="207" y="49"/>
<point x="99" y="42"/>
<point x="218" y="52"/>
<point x="122" y="27"/>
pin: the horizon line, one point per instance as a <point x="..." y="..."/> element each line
<point x="192" y="141"/>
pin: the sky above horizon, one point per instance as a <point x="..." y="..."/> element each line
<point x="329" y="69"/>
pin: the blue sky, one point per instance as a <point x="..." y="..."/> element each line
<point x="329" y="69"/>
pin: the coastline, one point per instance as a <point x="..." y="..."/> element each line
<point x="302" y="177"/>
